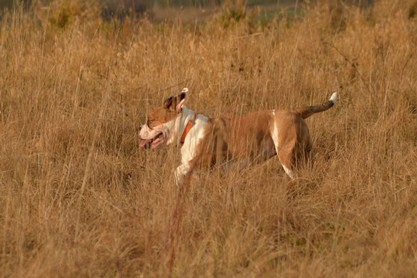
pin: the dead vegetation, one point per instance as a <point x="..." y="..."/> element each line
<point x="78" y="198"/>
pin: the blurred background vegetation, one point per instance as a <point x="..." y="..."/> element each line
<point x="143" y="4"/>
<point x="155" y="8"/>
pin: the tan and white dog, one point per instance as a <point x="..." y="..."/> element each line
<point x="246" y="139"/>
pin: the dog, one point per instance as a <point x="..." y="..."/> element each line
<point x="246" y="139"/>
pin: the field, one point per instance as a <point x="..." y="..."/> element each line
<point x="78" y="198"/>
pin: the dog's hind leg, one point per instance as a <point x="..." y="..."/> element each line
<point x="286" y="157"/>
<point x="289" y="172"/>
<point x="286" y="154"/>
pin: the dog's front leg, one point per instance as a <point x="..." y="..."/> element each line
<point x="181" y="172"/>
<point x="187" y="163"/>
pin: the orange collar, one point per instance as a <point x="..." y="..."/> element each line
<point x="187" y="129"/>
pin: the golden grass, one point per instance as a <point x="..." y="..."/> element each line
<point x="78" y="198"/>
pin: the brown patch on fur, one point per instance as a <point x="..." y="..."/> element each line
<point x="293" y="137"/>
<point x="160" y="116"/>
<point x="230" y="138"/>
<point x="248" y="137"/>
<point x="166" y="112"/>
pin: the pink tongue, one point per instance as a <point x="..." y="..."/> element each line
<point x="143" y="142"/>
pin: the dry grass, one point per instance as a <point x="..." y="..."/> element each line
<point x="78" y="198"/>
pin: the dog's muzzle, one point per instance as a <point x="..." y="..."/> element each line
<point x="150" y="137"/>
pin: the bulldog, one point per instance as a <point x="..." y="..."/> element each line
<point x="246" y="139"/>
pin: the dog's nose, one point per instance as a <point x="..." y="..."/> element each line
<point x="139" y="129"/>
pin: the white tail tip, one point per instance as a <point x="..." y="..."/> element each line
<point x="334" y="97"/>
<point x="185" y="90"/>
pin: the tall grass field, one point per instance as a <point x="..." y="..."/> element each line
<point x="78" y="198"/>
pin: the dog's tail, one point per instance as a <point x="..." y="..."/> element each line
<point x="310" y="110"/>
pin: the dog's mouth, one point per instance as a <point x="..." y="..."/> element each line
<point x="152" y="143"/>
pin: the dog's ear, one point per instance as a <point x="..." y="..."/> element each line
<point x="176" y="103"/>
<point x="181" y="100"/>
<point x="168" y="102"/>
<point x="183" y="93"/>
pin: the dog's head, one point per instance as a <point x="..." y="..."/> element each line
<point x="161" y="124"/>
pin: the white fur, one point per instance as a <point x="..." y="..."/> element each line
<point x="168" y="131"/>
<point x="274" y="132"/>
<point x="289" y="172"/>
<point x="188" y="150"/>
<point x="334" y="97"/>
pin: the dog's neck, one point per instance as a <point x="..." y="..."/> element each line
<point x="186" y="116"/>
